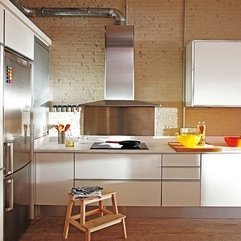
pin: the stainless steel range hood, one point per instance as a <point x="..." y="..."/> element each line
<point x="119" y="113"/>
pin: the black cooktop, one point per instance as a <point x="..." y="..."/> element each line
<point x="116" y="146"/>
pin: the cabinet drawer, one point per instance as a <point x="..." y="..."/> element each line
<point x="130" y="193"/>
<point x="181" y="173"/>
<point x="181" y="160"/>
<point x="117" y="166"/>
<point x="181" y="193"/>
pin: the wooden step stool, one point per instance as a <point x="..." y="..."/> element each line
<point x="106" y="217"/>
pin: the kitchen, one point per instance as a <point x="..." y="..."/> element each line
<point x="160" y="36"/>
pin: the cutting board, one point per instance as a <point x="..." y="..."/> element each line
<point x="206" y="148"/>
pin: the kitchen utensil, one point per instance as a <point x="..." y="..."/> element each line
<point x="67" y="127"/>
<point x="62" y="127"/>
<point x="233" y="141"/>
<point x="59" y="127"/>
<point x="127" y="143"/>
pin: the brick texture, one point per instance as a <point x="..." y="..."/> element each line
<point x="162" y="28"/>
<point x="214" y="19"/>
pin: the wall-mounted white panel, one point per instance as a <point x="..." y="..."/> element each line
<point x="213" y="73"/>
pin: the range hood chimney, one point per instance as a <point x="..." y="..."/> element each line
<point x="119" y="62"/>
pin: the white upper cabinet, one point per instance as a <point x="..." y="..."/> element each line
<point x="1" y="24"/>
<point x="213" y="73"/>
<point x="18" y="36"/>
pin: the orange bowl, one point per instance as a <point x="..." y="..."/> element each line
<point x="234" y="141"/>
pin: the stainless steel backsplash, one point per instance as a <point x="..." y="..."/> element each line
<point x="129" y="120"/>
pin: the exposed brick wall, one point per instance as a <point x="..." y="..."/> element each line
<point x="77" y="53"/>
<point x="162" y="27"/>
<point x="214" y="19"/>
<point x="159" y="47"/>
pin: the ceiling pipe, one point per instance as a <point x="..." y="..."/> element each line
<point x="72" y="12"/>
<point x="24" y="10"/>
<point x="82" y="12"/>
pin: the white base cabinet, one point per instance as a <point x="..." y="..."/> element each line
<point x="221" y="180"/>
<point x="180" y="180"/>
<point x="54" y="178"/>
<point x="136" y="178"/>
<point x="168" y="180"/>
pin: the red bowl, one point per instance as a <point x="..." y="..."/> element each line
<point x="234" y="141"/>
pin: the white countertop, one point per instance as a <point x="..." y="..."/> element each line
<point x="155" y="144"/>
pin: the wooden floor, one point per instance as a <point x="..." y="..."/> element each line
<point x="140" y="229"/>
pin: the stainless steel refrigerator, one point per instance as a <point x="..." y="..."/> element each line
<point x="16" y="142"/>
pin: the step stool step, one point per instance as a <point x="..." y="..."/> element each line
<point x="103" y="222"/>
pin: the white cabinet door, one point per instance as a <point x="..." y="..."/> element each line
<point x="213" y="73"/>
<point x="18" y="36"/>
<point x="54" y="177"/>
<point x="221" y="180"/>
<point x="136" y="178"/>
<point x="1" y="24"/>
<point x="180" y="180"/>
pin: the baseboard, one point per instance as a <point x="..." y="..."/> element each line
<point x="154" y="212"/>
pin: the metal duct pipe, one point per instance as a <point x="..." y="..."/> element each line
<point x="82" y="12"/>
<point x="24" y="10"/>
<point x="72" y="12"/>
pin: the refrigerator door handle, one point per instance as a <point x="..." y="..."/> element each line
<point x="9" y="195"/>
<point x="8" y="150"/>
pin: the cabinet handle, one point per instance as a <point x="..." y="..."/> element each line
<point x="9" y="195"/>
<point x="8" y="157"/>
